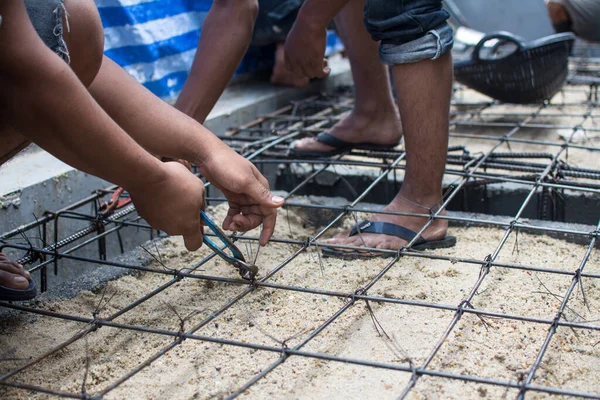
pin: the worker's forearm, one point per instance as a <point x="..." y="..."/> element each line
<point x="158" y="127"/>
<point x="317" y="14"/>
<point x="44" y="101"/>
<point x="64" y="120"/>
<point x="225" y="37"/>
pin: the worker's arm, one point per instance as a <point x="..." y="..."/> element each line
<point x="306" y="42"/>
<point x="165" y="131"/>
<point x="42" y="99"/>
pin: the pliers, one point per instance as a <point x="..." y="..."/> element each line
<point x="246" y="270"/>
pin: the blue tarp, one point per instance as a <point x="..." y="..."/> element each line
<point x="154" y="40"/>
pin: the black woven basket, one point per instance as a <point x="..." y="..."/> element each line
<point x="530" y="73"/>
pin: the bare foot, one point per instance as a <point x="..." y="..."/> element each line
<point x="12" y="274"/>
<point x="281" y="75"/>
<point x="435" y="231"/>
<point x="378" y="127"/>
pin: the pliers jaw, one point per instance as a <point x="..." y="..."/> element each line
<point x="247" y="271"/>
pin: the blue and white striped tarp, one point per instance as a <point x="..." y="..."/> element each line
<point x="155" y="40"/>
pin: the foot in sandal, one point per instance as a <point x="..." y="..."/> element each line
<point x="391" y="232"/>
<point x="15" y="283"/>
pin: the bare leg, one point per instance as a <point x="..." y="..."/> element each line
<point x="425" y="118"/>
<point x="225" y="37"/>
<point x="85" y="41"/>
<point x="11" y="143"/>
<point x="374" y="110"/>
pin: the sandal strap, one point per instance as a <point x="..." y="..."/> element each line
<point x="330" y="140"/>
<point x="386" y="228"/>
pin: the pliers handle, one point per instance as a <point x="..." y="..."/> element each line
<point x="115" y="202"/>
<point x="247" y="271"/>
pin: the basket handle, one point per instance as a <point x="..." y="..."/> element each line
<point x="507" y="36"/>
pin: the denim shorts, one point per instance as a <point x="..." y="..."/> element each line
<point x="274" y="21"/>
<point x="409" y="30"/>
<point x="47" y="19"/>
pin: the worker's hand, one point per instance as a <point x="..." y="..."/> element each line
<point x="173" y="204"/>
<point x="247" y="191"/>
<point x="305" y="50"/>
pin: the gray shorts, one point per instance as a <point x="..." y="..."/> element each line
<point x="47" y="19"/>
<point x="274" y="21"/>
<point x="409" y="30"/>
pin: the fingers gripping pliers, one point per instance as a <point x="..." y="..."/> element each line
<point x="236" y="258"/>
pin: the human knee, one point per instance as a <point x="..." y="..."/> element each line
<point x="84" y="37"/>
<point x="11" y="142"/>
<point x="558" y="13"/>
<point x="409" y="31"/>
<point x="245" y="8"/>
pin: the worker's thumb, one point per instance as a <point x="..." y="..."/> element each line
<point x="264" y="196"/>
<point x="193" y="241"/>
<point x="277" y="201"/>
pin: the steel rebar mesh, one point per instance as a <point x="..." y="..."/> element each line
<point x="506" y="154"/>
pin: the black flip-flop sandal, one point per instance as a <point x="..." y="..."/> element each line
<point x="9" y="294"/>
<point x="339" y="145"/>
<point x="386" y="228"/>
